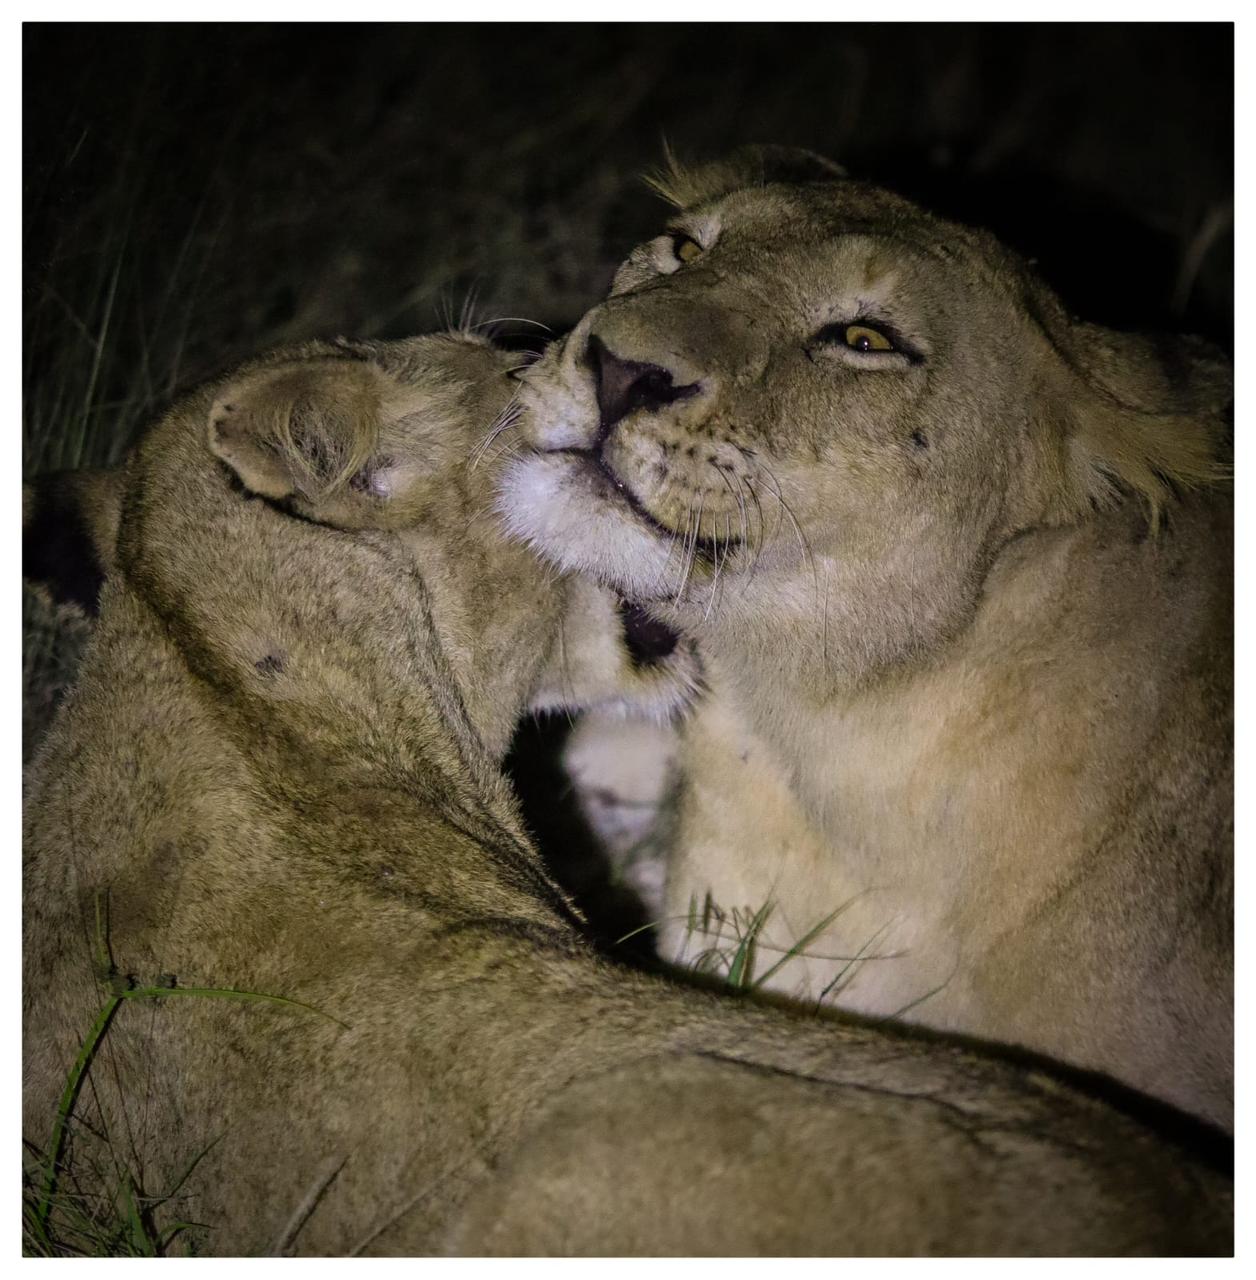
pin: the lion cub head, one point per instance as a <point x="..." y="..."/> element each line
<point x="363" y="435"/>
<point x="312" y="512"/>
<point x="808" y="396"/>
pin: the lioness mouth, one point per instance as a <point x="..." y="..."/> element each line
<point x="712" y="550"/>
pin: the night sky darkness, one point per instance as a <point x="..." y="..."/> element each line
<point x="194" y="193"/>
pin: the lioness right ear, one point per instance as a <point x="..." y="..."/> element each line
<point x="300" y="429"/>
<point x="70" y="535"/>
<point x="749" y="166"/>
<point x="1130" y="417"/>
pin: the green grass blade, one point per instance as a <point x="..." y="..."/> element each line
<point x="741" y="970"/>
<point x="652" y="924"/>
<point x="69" y="1096"/>
<point x="797" y="948"/>
<point x="859" y="955"/>
<point x="87" y="1053"/>
<point x="174" y="1230"/>
<point x="137" y="1233"/>
<point x="226" y="993"/>
<point x="911" y="1004"/>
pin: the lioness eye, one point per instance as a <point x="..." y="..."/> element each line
<point x="686" y="248"/>
<point x="862" y="337"/>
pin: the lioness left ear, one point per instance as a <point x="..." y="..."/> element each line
<point x="749" y="166"/>
<point x="299" y="429"/>
<point x="1145" y="426"/>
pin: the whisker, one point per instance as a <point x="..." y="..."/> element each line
<point x="509" y="417"/>
<point x="808" y="555"/>
<point x="824" y="633"/>
<point x="693" y="546"/>
<point x="742" y="515"/>
<point x="684" y="559"/>
<point x="715" y="582"/>
<point x="720" y="561"/>
<point x="803" y="545"/>
<point x="511" y="449"/>
<point x="740" y="499"/>
<point x="760" y="538"/>
<point x="483" y="324"/>
<point x="467" y="314"/>
<point x="769" y="476"/>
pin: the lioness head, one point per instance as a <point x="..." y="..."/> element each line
<point x="809" y="397"/>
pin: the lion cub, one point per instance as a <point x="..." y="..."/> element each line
<point x="961" y="586"/>
<point x="278" y="776"/>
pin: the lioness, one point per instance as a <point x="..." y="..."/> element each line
<point x="278" y="774"/>
<point x="964" y="614"/>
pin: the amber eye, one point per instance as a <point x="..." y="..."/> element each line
<point x="862" y="337"/>
<point x="686" y="248"/>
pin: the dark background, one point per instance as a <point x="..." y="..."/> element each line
<point x="194" y="193"/>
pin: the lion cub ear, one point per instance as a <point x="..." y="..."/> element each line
<point x="300" y="429"/>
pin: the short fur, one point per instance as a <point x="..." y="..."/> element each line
<point x="279" y="774"/>
<point x="963" y="606"/>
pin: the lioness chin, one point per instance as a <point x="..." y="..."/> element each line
<point x="961" y="586"/>
<point x="279" y="775"/>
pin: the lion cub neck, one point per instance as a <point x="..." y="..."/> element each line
<point x="332" y="622"/>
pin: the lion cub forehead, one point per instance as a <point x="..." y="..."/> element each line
<point x="439" y="358"/>
<point x="455" y="380"/>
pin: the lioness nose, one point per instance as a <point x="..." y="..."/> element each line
<point x="625" y="385"/>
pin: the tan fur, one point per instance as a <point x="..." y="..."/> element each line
<point x="279" y="774"/>
<point x="964" y="611"/>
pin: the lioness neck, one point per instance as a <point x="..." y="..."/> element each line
<point x="339" y="643"/>
<point x="896" y="757"/>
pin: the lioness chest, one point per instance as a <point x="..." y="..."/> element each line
<point x="937" y="816"/>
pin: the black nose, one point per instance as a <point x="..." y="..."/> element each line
<point x="625" y="385"/>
